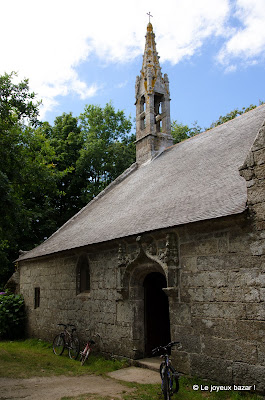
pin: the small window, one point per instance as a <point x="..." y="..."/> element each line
<point x="83" y="275"/>
<point x="142" y="104"/>
<point x="143" y="123"/>
<point x="37" y="297"/>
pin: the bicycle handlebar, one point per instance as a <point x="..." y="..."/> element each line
<point x="171" y="344"/>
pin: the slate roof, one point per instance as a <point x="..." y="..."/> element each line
<point x="194" y="180"/>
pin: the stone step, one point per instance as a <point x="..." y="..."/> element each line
<point x="149" y="363"/>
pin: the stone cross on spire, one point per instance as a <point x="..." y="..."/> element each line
<point x="149" y="14"/>
<point x="153" y="128"/>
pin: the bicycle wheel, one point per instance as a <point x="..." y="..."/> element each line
<point x="74" y="348"/>
<point x="84" y="356"/>
<point x="58" y="345"/>
<point x="165" y="387"/>
<point x="174" y="378"/>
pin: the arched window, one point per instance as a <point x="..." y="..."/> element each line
<point x="82" y="275"/>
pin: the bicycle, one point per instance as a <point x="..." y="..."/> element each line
<point x="84" y="354"/>
<point x="169" y="376"/>
<point x="68" y="340"/>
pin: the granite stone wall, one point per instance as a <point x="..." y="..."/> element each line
<point x="96" y="310"/>
<point x="216" y="289"/>
<point x="220" y="316"/>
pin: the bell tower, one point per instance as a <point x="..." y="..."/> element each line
<point x="153" y="128"/>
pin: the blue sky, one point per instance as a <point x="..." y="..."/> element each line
<point x="87" y="52"/>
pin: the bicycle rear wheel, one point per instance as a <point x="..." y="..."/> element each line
<point x="58" y="345"/>
<point x="74" y="348"/>
<point x="84" y="356"/>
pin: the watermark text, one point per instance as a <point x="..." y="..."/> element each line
<point x="214" y="388"/>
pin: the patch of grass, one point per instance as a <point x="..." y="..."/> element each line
<point x="24" y="359"/>
<point x="144" y="392"/>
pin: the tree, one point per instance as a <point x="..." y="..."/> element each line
<point x="108" y="148"/>
<point x="233" y="114"/>
<point x="87" y="155"/>
<point x="25" y="174"/>
<point x="66" y="140"/>
<point x="182" y="132"/>
<point x="16" y="102"/>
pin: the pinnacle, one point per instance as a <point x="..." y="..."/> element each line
<point x="150" y="54"/>
<point x="149" y="27"/>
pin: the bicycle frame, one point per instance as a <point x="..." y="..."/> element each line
<point x="168" y="374"/>
<point x="68" y="340"/>
<point x="66" y="334"/>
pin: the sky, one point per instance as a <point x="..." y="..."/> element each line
<point x="90" y="51"/>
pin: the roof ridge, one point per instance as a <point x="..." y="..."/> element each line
<point x="215" y="127"/>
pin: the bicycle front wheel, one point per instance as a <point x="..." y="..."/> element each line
<point x="174" y="379"/>
<point x="58" y="345"/>
<point x="74" y="348"/>
<point x="166" y="387"/>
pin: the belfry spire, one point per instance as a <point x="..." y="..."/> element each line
<point x="153" y="128"/>
<point x="151" y="67"/>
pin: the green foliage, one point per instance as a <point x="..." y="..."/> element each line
<point x="182" y="132"/>
<point x="12" y="316"/>
<point x="16" y="102"/>
<point x="108" y="148"/>
<point x="87" y="155"/>
<point x="233" y="114"/>
<point x="26" y="176"/>
<point x="66" y="140"/>
<point x="33" y="357"/>
<point x="48" y="173"/>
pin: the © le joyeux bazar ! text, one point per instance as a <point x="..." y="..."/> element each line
<point x="213" y="388"/>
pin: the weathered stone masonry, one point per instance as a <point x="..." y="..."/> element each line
<point x="216" y="297"/>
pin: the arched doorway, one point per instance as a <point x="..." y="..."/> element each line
<point x="156" y="312"/>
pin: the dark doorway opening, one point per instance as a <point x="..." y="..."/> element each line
<point x="157" y="324"/>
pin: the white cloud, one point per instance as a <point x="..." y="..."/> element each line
<point x="122" y="84"/>
<point x="230" y="68"/>
<point x="247" y="42"/>
<point x="188" y="24"/>
<point x="46" y="41"/>
<point x="42" y="43"/>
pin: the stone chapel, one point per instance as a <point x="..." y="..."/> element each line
<point x="173" y="249"/>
